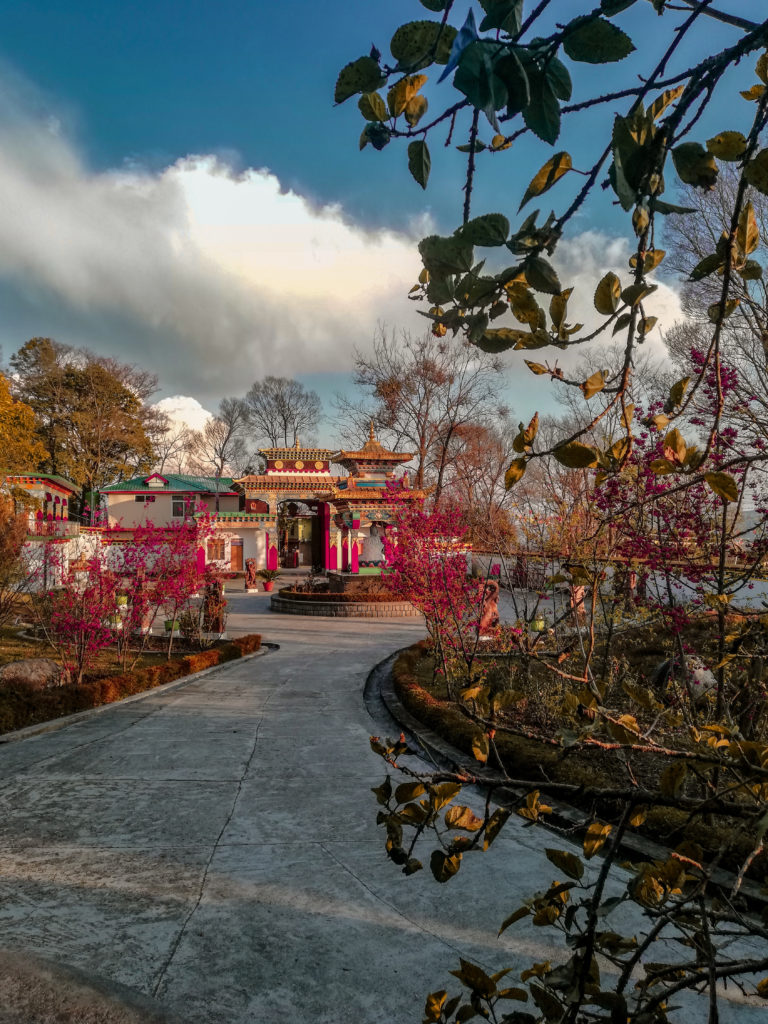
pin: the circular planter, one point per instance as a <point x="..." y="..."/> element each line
<point x="325" y="605"/>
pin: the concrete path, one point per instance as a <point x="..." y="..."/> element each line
<point x="216" y="847"/>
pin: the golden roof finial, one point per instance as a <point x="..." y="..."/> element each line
<point x="372" y="436"/>
<point x="297" y="443"/>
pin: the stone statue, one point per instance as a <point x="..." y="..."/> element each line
<point x="373" y="549"/>
<point x="489" y="615"/>
<point x="251" y="580"/>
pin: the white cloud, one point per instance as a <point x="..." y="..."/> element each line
<point x="184" y="411"/>
<point x="232" y="275"/>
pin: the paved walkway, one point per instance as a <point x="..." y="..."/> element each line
<point x="216" y="846"/>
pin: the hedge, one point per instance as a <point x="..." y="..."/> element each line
<point x="20" y="707"/>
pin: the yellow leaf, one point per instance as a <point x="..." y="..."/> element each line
<point x="675" y="443"/>
<point x="415" y="109"/>
<point x="575" y="455"/>
<point x="593" y="385"/>
<point x="595" y="838"/>
<point x="372" y="107"/>
<point x="727" y="145"/>
<point x="536" y="368"/>
<point x="672" y="778"/>
<point x="626" y="416"/>
<point x="402" y="91"/>
<point x="662" y="467"/>
<point x="546" y="176"/>
<point x="661" y="103"/>
<point x="723" y="485"/>
<point x="747" y="233"/>
<point x="754" y="93"/>
<point x="677" y="391"/>
<point x="515" y="473"/>
<point x="608" y="294"/>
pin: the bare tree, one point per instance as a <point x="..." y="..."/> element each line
<point x="282" y="411"/>
<point x="221" y="444"/>
<point x="172" y="444"/>
<point x="420" y="393"/>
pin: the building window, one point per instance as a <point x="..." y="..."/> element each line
<point x="139" y="497"/>
<point x="180" y="505"/>
<point x="216" y="552"/>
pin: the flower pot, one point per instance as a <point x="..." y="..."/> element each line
<point x="268" y="585"/>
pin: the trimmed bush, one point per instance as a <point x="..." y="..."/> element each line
<point x="19" y="707"/>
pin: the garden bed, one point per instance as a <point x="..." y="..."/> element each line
<point x="531" y="752"/>
<point x="20" y="707"/>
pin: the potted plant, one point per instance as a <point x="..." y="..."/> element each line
<point x="268" y="576"/>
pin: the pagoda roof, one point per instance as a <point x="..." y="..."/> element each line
<point x="290" y="481"/>
<point x="373" y="451"/>
<point x="33" y="477"/>
<point x="297" y="452"/>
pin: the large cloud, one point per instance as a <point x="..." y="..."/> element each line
<point x="209" y="276"/>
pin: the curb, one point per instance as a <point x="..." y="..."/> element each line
<point x="80" y="716"/>
<point x="564" y="816"/>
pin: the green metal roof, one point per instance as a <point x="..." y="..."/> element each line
<point x="175" y="482"/>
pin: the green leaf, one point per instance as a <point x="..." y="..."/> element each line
<point x="713" y="311"/>
<point x="751" y="271"/>
<point x="446" y="255"/>
<point x="659" y="206"/>
<point x="635" y="293"/>
<point x="383" y="792"/>
<point x="489" y="229"/>
<point x="444" y="867"/>
<point x="515" y="473"/>
<point x="505" y="15"/>
<point x="572" y="865"/>
<point x="723" y="485"/>
<point x="476" y="78"/>
<point x="596" y="41"/>
<point x="361" y="75"/>
<point x="727" y="145"/>
<point x="608" y="294"/>
<point x="503" y="338"/>
<point x="559" y="78"/>
<point x="547" y="176"/>
<point x="706" y="267"/>
<point x="611" y="7"/>
<point x="413" y="44"/>
<point x="694" y="165"/>
<point x="419" y="161"/>
<point x="541" y="276"/>
<point x="542" y="115"/>
<point x="512" y="73"/>
<point x="756" y="172"/>
<point x="576" y="455"/>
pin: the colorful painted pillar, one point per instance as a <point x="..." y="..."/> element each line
<point x="324" y="515"/>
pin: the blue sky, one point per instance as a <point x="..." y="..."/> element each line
<point x="131" y="247"/>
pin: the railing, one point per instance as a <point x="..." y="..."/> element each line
<point x="53" y="528"/>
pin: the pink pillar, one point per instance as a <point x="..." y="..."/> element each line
<point x="271" y="555"/>
<point x="355" y="565"/>
<point x="334" y="557"/>
<point x="345" y="551"/>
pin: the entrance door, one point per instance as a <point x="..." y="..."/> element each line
<point x="236" y="555"/>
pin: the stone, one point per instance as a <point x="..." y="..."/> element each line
<point x="34" y="673"/>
